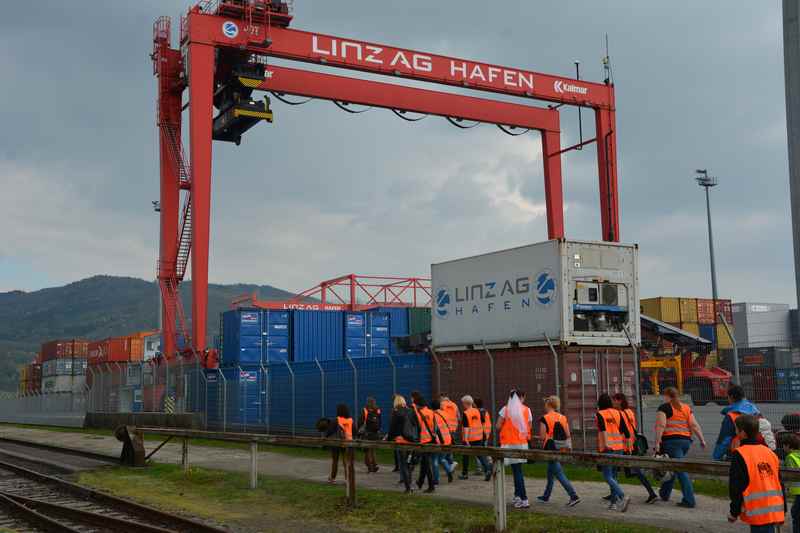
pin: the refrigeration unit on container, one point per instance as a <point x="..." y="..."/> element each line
<point x="255" y="337"/>
<point x="567" y="292"/>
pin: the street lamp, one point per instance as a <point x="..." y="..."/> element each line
<point x="706" y="181"/>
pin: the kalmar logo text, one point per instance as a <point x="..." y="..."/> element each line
<point x="564" y="87"/>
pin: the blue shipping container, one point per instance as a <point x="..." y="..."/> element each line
<point x="254" y="337"/>
<point x="398" y="321"/>
<point x="234" y="398"/>
<point x="708" y="332"/>
<point x="317" y="335"/>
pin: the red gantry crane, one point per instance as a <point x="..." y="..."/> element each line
<point x="224" y="56"/>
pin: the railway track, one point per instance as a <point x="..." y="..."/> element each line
<point x="38" y="502"/>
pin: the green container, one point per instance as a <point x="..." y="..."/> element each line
<point x="419" y="320"/>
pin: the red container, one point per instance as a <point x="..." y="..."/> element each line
<point x="117" y="349"/>
<point x="705" y="311"/>
<point x="724" y="307"/>
<point x="761" y="386"/>
<point x="59" y="349"/>
<point x="582" y="375"/>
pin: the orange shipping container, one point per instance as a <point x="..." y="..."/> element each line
<point x="705" y="311"/>
<point x="117" y="349"/>
<point x="59" y="349"/>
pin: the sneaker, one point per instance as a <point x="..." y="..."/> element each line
<point x="429" y="490"/>
<point x="463" y="476"/>
<point x="516" y="500"/>
<point x="652" y="499"/>
<point x="574" y="501"/>
<point x="542" y="499"/>
<point x="522" y="504"/>
<point x="684" y="505"/>
<point x="453" y="468"/>
<point x="488" y="476"/>
<point x="607" y="498"/>
<point x="612" y="506"/>
<point x="626" y="501"/>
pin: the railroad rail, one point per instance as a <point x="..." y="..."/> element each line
<point x="709" y="468"/>
<point x="46" y="503"/>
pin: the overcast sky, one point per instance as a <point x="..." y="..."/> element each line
<point x="322" y="193"/>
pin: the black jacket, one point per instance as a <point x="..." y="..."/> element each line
<point x="738" y="480"/>
<point x="397" y="421"/>
<point x="362" y="423"/>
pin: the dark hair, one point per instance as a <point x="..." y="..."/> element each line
<point x="604" y="402"/>
<point x="436" y="405"/>
<point x="736" y="392"/>
<point x="416" y="396"/>
<point x="748" y="424"/>
<point x="518" y="392"/>
<point x="371" y="403"/>
<point x="420" y="401"/>
<point x="672" y="392"/>
<point x="791" y="440"/>
<point x="342" y="410"/>
<point x="323" y="424"/>
<point x="478" y="403"/>
<point x="623" y="401"/>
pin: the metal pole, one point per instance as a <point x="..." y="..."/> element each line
<point x="438" y="372"/>
<point x="322" y="387"/>
<point x="253" y="465"/>
<point x="185" y="455"/>
<point x="640" y="412"/>
<point x="583" y="400"/>
<point x="714" y="294"/>
<point x="242" y="397"/>
<point x="224" y="400"/>
<point x="291" y="373"/>
<point x="555" y="364"/>
<point x="491" y="390"/>
<point x="735" y="349"/>
<point x="394" y="373"/>
<point x="355" y="384"/>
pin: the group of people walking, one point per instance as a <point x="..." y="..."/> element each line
<point x="757" y="496"/>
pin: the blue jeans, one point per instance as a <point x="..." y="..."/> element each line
<point x="769" y="528"/>
<point x="677" y="449"/>
<point x="554" y="471"/>
<point x="610" y="475"/>
<point x="796" y="515"/>
<point x="519" y="481"/>
<point x="445" y="460"/>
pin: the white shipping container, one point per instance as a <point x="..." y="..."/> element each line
<point x="570" y="292"/>
<point x="55" y="384"/>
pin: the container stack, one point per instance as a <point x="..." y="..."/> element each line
<point x="693" y="315"/>
<point x="767" y="374"/>
<point x="64" y="365"/>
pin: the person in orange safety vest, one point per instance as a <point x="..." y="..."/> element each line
<point x="472" y="435"/>
<point x="754" y="481"/>
<point x="611" y="434"/>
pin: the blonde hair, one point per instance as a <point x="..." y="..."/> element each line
<point x="554" y="402"/>
<point x="399" y="401"/>
<point x="467" y="399"/>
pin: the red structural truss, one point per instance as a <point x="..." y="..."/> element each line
<point x="212" y="29"/>
<point x="351" y="293"/>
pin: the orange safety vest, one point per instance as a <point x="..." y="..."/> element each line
<point x="487" y="425"/>
<point x="615" y="441"/>
<point x="473" y="432"/>
<point x="551" y="419"/>
<point x="510" y="434"/>
<point x="678" y="423"/>
<point x="377" y="410"/>
<point x="763" y="497"/>
<point x="425" y="418"/>
<point x="630" y="421"/>
<point x="450" y="411"/>
<point x="444" y="428"/>
<point x="347" y="427"/>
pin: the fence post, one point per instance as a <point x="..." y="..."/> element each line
<point x="735" y="349"/>
<point x="322" y="387"/>
<point x="438" y="372"/>
<point x="636" y="377"/>
<point x="491" y="391"/>
<point x="253" y="465"/>
<point x="351" y="478"/>
<point x="108" y="387"/>
<point x="264" y="396"/>
<point x="394" y="373"/>
<point x="500" y="511"/>
<point x="583" y="400"/>
<point x="291" y="373"/>
<point x="185" y="455"/>
<point x="555" y="365"/>
<point x="224" y="401"/>
<point x="355" y="384"/>
<point x="242" y="397"/>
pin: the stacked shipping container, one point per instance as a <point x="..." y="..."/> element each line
<point x="63" y="365"/>
<point x="695" y="315"/>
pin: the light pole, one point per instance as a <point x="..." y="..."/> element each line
<point x="706" y="181"/>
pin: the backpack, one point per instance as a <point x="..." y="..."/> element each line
<point x="640" y="445"/>
<point x="410" y="430"/>
<point x="372" y="421"/>
<point x="560" y="439"/>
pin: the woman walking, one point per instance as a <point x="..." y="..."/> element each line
<point x="403" y="423"/>
<point x="621" y="402"/>
<point x="343" y="429"/>
<point x="611" y="434"/>
<point x="370" y="429"/>
<point x="514" y="422"/>
<point x="555" y="435"/>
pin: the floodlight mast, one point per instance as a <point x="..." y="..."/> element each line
<point x="224" y="53"/>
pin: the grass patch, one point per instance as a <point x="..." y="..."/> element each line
<point x="282" y="505"/>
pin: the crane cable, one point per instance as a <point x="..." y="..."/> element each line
<point x="289" y="102"/>
<point x="401" y="114"/>
<point x="455" y="122"/>
<point x="343" y="107"/>
<point x="509" y="132"/>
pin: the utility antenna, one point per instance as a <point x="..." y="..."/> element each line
<point x="608" y="71"/>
